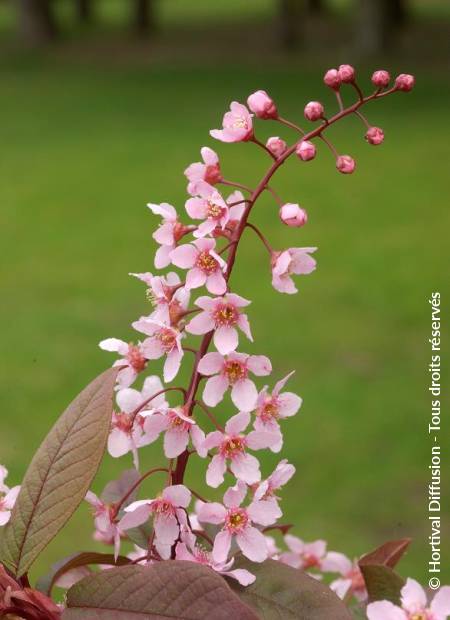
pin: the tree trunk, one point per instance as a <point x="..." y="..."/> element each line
<point x="291" y="21"/>
<point x="378" y="24"/>
<point x="316" y="6"/>
<point x="144" y="17"/>
<point x="36" y="23"/>
<point x="84" y="10"/>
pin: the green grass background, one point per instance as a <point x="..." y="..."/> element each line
<point x="88" y="139"/>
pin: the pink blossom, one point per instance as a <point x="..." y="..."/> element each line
<point x="345" y="164"/>
<point x="169" y="299"/>
<point x="168" y="234"/>
<point x="237" y="125"/>
<point x="106" y="530"/>
<point x="314" y="111"/>
<point x="273" y="407"/>
<point x="177" y="428"/>
<point x="238" y="524"/>
<point x="262" y="105"/>
<point x="276" y="146"/>
<point x="236" y="203"/>
<point x="169" y="512"/>
<point x="208" y="171"/>
<point x="208" y="205"/>
<point x="189" y="551"/>
<point x="232" y="446"/>
<point x="374" y="135"/>
<point x="224" y="316"/>
<point x="127" y="433"/>
<point x="139" y="556"/>
<point x="346" y="73"/>
<point x="266" y="491"/>
<point x="133" y="358"/>
<point x="232" y="371"/>
<point x="163" y="340"/>
<point x="7" y="497"/>
<point x="352" y="581"/>
<point x="305" y="150"/>
<point x="381" y="79"/>
<point x="292" y="261"/>
<point x="414" y="605"/>
<point x="332" y="79"/>
<point x="205" y="266"/>
<point x="273" y="550"/>
<point x="293" y="215"/>
<point x="304" y="556"/>
<point x="405" y="82"/>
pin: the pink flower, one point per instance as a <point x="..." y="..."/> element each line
<point x="177" y="428"/>
<point x="304" y="555"/>
<point x="133" y="358"/>
<point x="345" y="164"/>
<point x="236" y="203"/>
<point x="237" y="125"/>
<point x="169" y="512"/>
<point x="127" y="433"/>
<point x="305" y="150"/>
<point x="232" y="446"/>
<point x="167" y="297"/>
<point x="374" y="135"/>
<point x="414" y="605"/>
<point x="168" y="234"/>
<point x="106" y="530"/>
<point x="163" y="340"/>
<point x="313" y="111"/>
<point x="237" y="524"/>
<point x="381" y="79"/>
<point x="292" y="261"/>
<point x="332" y="79"/>
<point x="209" y="206"/>
<point x="352" y="581"/>
<point x="273" y="407"/>
<point x="208" y="171"/>
<point x="346" y="73"/>
<point x="276" y="146"/>
<point x="292" y="215"/>
<point x="223" y="315"/>
<point x="204" y="264"/>
<point x="405" y="82"/>
<point x="189" y="551"/>
<point x="232" y="371"/>
<point x="7" y="497"/>
<point x="262" y="105"/>
<point x="267" y="489"/>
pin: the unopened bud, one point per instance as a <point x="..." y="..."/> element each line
<point x="305" y="150"/>
<point x="381" y="79"/>
<point x="345" y="164"/>
<point x="313" y="110"/>
<point x="374" y="135"/>
<point x="262" y="105"/>
<point x="347" y="74"/>
<point x="293" y="215"/>
<point x="405" y="82"/>
<point x="276" y="145"/>
<point x="332" y="79"/>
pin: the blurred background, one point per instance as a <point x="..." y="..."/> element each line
<point x="104" y="104"/>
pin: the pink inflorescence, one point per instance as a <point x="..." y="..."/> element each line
<point x="201" y="256"/>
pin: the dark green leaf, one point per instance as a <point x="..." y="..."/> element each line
<point x="172" y="589"/>
<point x="382" y="583"/>
<point x="45" y="584"/>
<point x="281" y="592"/>
<point x="59" y="474"/>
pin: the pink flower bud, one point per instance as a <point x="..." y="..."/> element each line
<point x="332" y="79"/>
<point x="381" y="79"/>
<point x="305" y="150"/>
<point x="405" y="82"/>
<point x="345" y="164"/>
<point x="262" y="105"/>
<point x="313" y="110"/>
<point x="374" y="135"/>
<point x="276" y="145"/>
<point x="347" y="74"/>
<point x="293" y="215"/>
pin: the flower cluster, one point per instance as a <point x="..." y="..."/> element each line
<point x="200" y="254"/>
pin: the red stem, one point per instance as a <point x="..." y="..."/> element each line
<point x="133" y="488"/>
